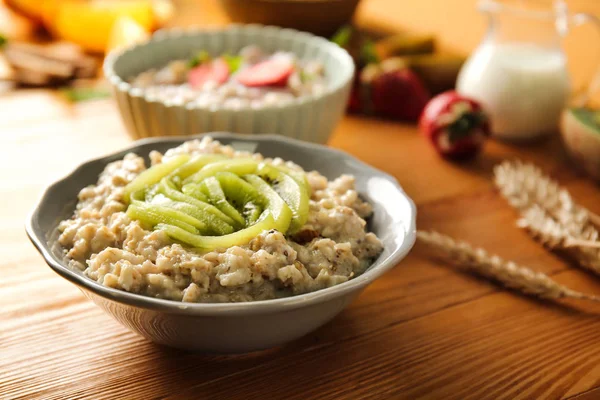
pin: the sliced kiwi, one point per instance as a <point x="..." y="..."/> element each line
<point x="212" y="222"/>
<point x="194" y="190"/>
<point x="242" y="196"/>
<point x="275" y="205"/>
<point x="238" y="166"/>
<point x="238" y="191"/>
<point x="232" y="200"/>
<point x="252" y="212"/>
<point x="166" y="188"/>
<point x="212" y="189"/>
<point x="204" y="243"/>
<point x="153" y="175"/>
<point x="293" y="193"/>
<point x="195" y="164"/>
<point x="169" y="189"/>
<point x="153" y="214"/>
<point x="299" y="176"/>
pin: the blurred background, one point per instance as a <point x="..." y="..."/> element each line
<point x="458" y="26"/>
<point x="98" y="26"/>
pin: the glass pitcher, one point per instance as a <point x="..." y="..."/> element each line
<point x="519" y="71"/>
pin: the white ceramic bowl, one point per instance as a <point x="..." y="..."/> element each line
<point x="234" y="327"/>
<point x="310" y="118"/>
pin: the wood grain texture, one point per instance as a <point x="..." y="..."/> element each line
<point x="422" y="331"/>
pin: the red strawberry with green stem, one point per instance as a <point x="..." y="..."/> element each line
<point x="456" y="125"/>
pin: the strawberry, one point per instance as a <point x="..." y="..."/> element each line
<point x="399" y="94"/>
<point x="216" y="70"/>
<point x="394" y="91"/>
<point x="355" y="101"/>
<point x="273" y="72"/>
<point x="457" y="126"/>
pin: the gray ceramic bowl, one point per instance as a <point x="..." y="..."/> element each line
<point x="311" y="118"/>
<point x="233" y="327"/>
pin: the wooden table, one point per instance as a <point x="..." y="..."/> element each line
<point x="422" y="331"/>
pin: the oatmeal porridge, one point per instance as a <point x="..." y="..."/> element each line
<point x="207" y="223"/>
<point x="252" y="78"/>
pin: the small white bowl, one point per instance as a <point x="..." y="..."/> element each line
<point x="311" y="118"/>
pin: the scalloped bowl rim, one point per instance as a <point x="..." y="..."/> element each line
<point x="159" y="36"/>
<point x="245" y="308"/>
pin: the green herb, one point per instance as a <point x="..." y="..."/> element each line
<point x="342" y="36"/>
<point x="233" y="62"/>
<point x="368" y="54"/>
<point x="199" y="58"/>
<point x="77" y="94"/>
<point x="3" y="40"/>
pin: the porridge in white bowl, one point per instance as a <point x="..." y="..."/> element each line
<point x="250" y="79"/>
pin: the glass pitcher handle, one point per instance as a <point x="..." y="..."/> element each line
<point x="594" y="86"/>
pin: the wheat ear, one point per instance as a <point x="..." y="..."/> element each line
<point x="524" y="185"/>
<point x="508" y="273"/>
<point x="559" y="236"/>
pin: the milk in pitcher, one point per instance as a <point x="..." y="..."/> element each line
<point x="522" y="86"/>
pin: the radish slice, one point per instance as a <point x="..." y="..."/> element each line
<point x="216" y="70"/>
<point x="274" y="72"/>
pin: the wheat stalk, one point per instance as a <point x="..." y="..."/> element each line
<point x="549" y="213"/>
<point x="564" y="237"/>
<point x="543" y="227"/>
<point x="594" y="244"/>
<point x="524" y="185"/>
<point x="508" y="273"/>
